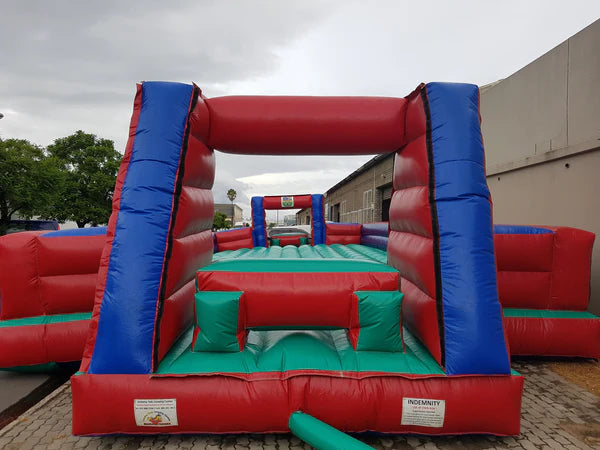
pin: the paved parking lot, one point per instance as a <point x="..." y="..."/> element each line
<point x="556" y="414"/>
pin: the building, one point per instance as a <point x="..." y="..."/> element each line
<point x="231" y="210"/>
<point x="541" y="128"/>
<point x="363" y="196"/>
<point x="289" y="220"/>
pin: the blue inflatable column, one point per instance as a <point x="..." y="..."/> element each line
<point x="472" y="316"/>
<point x="125" y="336"/>
<point x="259" y="232"/>
<point x="318" y="219"/>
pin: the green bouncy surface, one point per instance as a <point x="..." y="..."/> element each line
<point x="287" y="350"/>
<point x="339" y="252"/>
<point x="276" y="350"/>
<point x="547" y="314"/>
<point x="45" y="320"/>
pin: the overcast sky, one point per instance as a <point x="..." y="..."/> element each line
<point x="67" y="65"/>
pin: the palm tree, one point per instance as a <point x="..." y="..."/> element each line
<point x="231" y="195"/>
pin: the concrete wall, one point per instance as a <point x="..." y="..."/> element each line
<point x="541" y="128"/>
<point x="302" y="216"/>
<point x="548" y="108"/>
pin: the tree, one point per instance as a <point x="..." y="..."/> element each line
<point x="29" y="180"/>
<point x="220" y="221"/>
<point x="89" y="165"/>
<point x="231" y="195"/>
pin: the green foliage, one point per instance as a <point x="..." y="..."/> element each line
<point x="220" y="221"/>
<point x="231" y="195"/>
<point x="271" y="225"/>
<point x="29" y="180"/>
<point x="89" y="167"/>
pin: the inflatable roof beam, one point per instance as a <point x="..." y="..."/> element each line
<point x="261" y="204"/>
<point x="322" y="436"/>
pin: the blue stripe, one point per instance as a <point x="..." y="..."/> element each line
<point x="92" y="231"/>
<point x="259" y="234"/>
<point x="375" y="229"/>
<point x="520" y="229"/>
<point x="318" y="219"/>
<point x="474" y="336"/>
<point x="372" y="240"/>
<point x="125" y="334"/>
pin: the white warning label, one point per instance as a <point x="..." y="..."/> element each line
<point x="423" y="412"/>
<point x="155" y="412"/>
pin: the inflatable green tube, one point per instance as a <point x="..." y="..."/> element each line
<point x="322" y="436"/>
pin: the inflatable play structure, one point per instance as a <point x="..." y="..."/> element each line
<point x="47" y="285"/>
<point x="259" y="225"/>
<point x="256" y="340"/>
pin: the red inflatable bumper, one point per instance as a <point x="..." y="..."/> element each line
<point x="40" y="344"/>
<point x="226" y="404"/>
<point x="554" y="336"/>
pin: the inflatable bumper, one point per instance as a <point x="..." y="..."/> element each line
<point x="351" y="402"/>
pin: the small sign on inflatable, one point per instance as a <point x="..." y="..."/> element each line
<point x="423" y="412"/>
<point x="287" y="202"/>
<point x="155" y="412"/>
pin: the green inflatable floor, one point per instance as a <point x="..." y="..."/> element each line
<point x="321" y="251"/>
<point x="279" y="351"/>
<point x="45" y="320"/>
<point x="547" y="314"/>
<point x="285" y="350"/>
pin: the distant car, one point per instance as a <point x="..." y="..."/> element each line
<point x="241" y="225"/>
<point x="290" y="235"/>
<point x="16" y="226"/>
